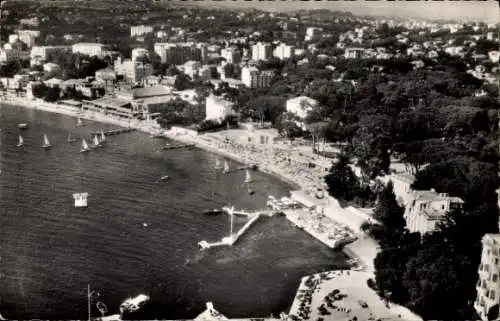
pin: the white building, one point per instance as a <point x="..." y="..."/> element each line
<point x="137" y="31"/>
<point x="191" y="68"/>
<point x="139" y="52"/>
<point x="252" y="77"/>
<point x="13" y="38"/>
<point x="488" y="284"/>
<point x="494" y="55"/>
<point x="217" y="108"/>
<point x="353" y="53"/>
<point x="231" y="54"/>
<point x="301" y="106"/>
<point x="425" y="209"/>
<point x="283" y="51"/>
<point x="27" y="39"/>
<point x="89" y="48"/>
<point x="262" y="51"/>
<point x="179" y="53"/>
<point x="7" y="55"/>
<point x="41" y="52"/>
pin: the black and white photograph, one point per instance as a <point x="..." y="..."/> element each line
<point x="249" y="160"/>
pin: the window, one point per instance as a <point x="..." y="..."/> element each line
<point x="496" y="261"/>
<point x="494" y="278"/>
<point x="487" y="267"/>
<point x="492" y="294"/>
<point x="488" y="252"/>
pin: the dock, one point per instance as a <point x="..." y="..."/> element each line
<point x="115" y="131"/>
<point x="178" y="146"/>
<point x="230" y="240"/>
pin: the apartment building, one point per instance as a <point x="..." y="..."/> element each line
<point x="137" y="31"/>
<point x="312" y="33"/>
<point x="488" y="284"/>
<point x="132" y="71"/>
<point x="231" y="54"/>
<point x="262" y="51"/>
<point x="425" y="209"/>
<point x="252" y="77"/>
<point x="90" y="49"/>
<point x="139" y="52"/>
<point x="180" y="53"/>
<point x="283" y="51"/>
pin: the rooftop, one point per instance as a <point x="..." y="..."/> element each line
<point x="110" y="102"/>
<point x="139" y="93"/>
<point x="432" y="196"/>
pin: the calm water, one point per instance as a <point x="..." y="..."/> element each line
<point x="50" y="251"/>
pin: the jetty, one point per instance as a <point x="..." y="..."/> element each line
<point x="115" y="131"/>
<point x="230" y="240"/>
<point x="178" y="146"/>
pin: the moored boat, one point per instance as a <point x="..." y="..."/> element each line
<point x="21" y="141"/>
<point x="226" y="168"/>
<point x="46" y="142"/>
<point x="85" y="146"/>
<point x="212" y="212"/>
<point x="22" y="125"/>
<point x="80" y="199"/>
<point x="134" y="304"/>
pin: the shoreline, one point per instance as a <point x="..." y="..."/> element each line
<point x="201" y="141"/>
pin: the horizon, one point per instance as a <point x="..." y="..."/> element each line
<point x="486" y="11"/>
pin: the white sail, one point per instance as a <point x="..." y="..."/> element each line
<point x="248" y="176"/>
<point x="85" y="146"/>
<point x="226" y="167"/>
<point x="21" y="141"/>
<point x="96" y="141"/>
<point x="103" y="137"/>
<point x="217" y="163"/>
<point x="79" y="122"/>
<point x="46" y="142"/>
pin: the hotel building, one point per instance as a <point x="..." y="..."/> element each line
<point x="40" y="53"/>
<point x="180" y="53"/>
<point x="252" y="77"/>
<point x="283" y="51"/>
<point x="262" y="51"/>
<point x="137" y="31"/>
<point x="90" y="49"/>
<point x="488" y="284"/>
<point x="132" y="71"/>
<point x="217" y="108"/>
<point x="232" y="55"/>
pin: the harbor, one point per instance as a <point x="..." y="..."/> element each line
<point x="115" y="131"/>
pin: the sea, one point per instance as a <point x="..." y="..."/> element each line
<point x="139" y="234"/>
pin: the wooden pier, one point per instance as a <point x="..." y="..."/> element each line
<point x="115" y="131"/>
<point x="178" y="146"/>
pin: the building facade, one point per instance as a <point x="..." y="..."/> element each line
<point x="42" y="52"/>
<point x="283" y="51"/>
<point x="139" y="52"/>
<point x="252" y="77"/>
<point x="132" y="71"/>
<point x="262" y="51"/>
<point x="488" y="284"/>
<point x="180" y="53"/>
<point x="425" y="209"/>
<point x="90" y="49"/>
<point x="353" y="53"/>
<point x="137" y="31"/>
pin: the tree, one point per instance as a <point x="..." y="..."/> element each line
<point x="388" y="212"/>
<point x="493" y="313"/>
<point x="52" y="94"/>
<point x="341" y="181"/>
<point x="318" y="131"/>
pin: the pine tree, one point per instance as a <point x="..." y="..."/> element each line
<point x="388" y="212"/>
<point x="342" y="182"/>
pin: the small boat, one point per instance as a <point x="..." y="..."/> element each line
<point x="22" y="125"/>
<point x="71" y="139"/>
<point x="79" y="122"/>
<point x="145" y="224"/>
<point x="46" y="143"/>
<point x="226" y="168"/>
<point x="85" y="146"/>
<point x="218" y="164"/>
<point x="96" y="143"/>
<point x="164" y="178"/>
<point x="134" y="304"/>
<point x="212" y="212"/>
<point x="21" y="141"/>
<point x="80" y="199"/>
<point x="251" y="191"/>
<point x="248" y="176"/>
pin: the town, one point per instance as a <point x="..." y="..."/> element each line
<point x="388" y="127"/>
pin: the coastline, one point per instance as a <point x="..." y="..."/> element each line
<point x="203" y="142"/>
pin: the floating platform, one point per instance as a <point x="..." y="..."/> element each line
<point x="115" y="131"/>
<point x="179" y="146"/>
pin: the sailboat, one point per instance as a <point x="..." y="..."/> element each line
<point x="79" y="122"/>
<point x="85" y="146"/>
<point x="218" y="164"/>
<point x="21" y="141"/>
<point x="96" y="142"/>
<point x="71" y="139"/>
<point x="80" y="199"/>
<point x="248" y="176"/>
<point x="46" y="143"/>
<point x="226" y="168"/>
<point x="103" y="137"/>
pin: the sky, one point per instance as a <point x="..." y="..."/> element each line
<point x="487" y="11"/>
